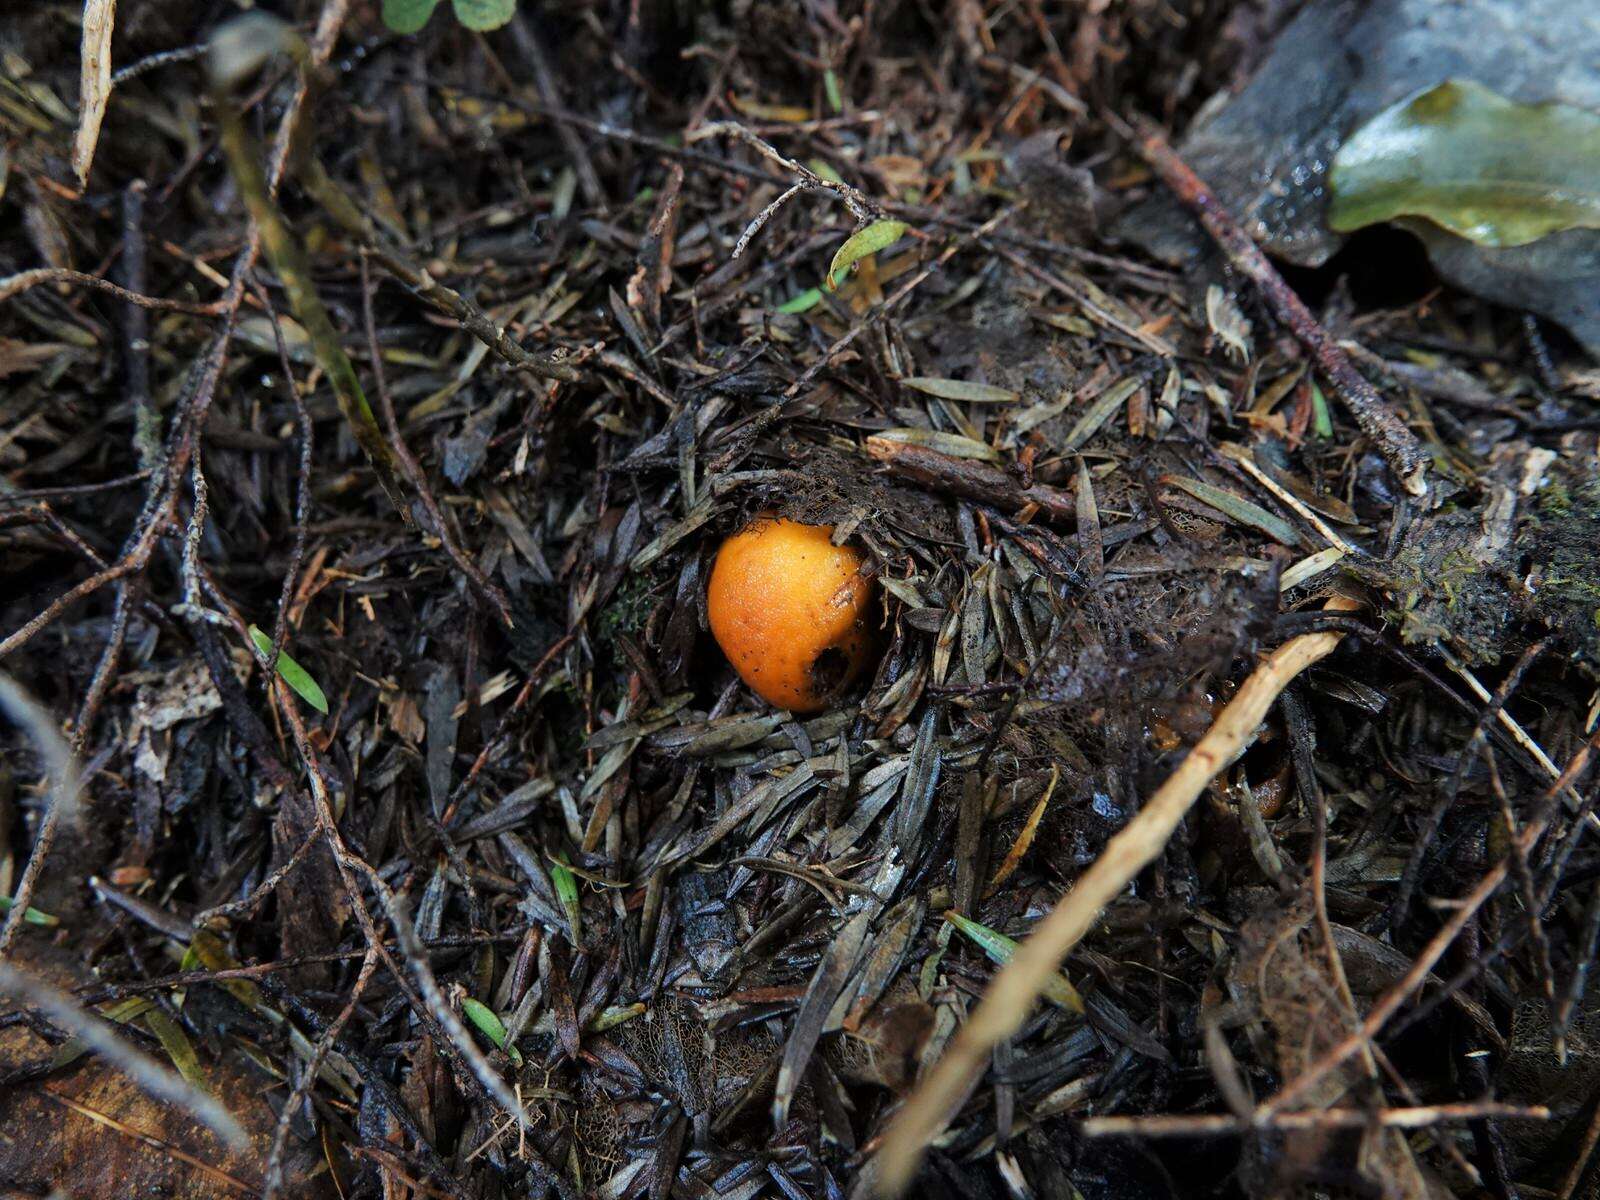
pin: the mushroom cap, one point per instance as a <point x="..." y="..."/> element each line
<point x="789" y="608"/>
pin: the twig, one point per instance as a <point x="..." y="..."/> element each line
<point x="1494" y="705"/>
<point x="893" y="301"/>
<point x="337" y="204"/>
<point x="70" y="491"/>
<point x="302" y="501"/>
<point x="1518" y="734"/>
<point x="1588" y="947"/>
<point x="970" y="478"/>
<point x="472" y="1068"/>
<point x="189" y="420"/>
<point x="1011" y="994"/>
<point x="1580" y="1161"/>
<point x="288" y="258"/>
<point x="526" y="36"/>
<point x="863" y="209"/>
<point x="166" y="1149"/>
<point x="246" y="905"/>
<point x="1399" y="446"/>
<point x="15" y="285"/>
<point x="100" y="683"/>
<point x="377" y="1084"/>
<point x="1212" y="1124"/>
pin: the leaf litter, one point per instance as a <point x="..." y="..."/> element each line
<point x="538" y="900"/>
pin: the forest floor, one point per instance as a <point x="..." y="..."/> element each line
<point x="444" y="364"/>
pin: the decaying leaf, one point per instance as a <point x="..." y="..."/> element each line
<point x="961" y="389"/>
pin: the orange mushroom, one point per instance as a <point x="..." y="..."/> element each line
<point x="789" y="610"/>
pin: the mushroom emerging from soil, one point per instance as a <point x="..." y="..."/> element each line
<point x="789" y="610"/>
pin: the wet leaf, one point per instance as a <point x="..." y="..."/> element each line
<point x="1309" y="568"/>
<point x="960" y="389"/>
<point x="1091" y="543"/>
<point x="1100" y="412"/>
<point x="206" y="950"/>
<point x="1491" y="170"/>
<point x="791" y="114"/>
<point x="292" y="672"/>
<point x="1020" y="847"/>
<point x="863" y="242"/>
<point x="119" y="1013"/>
<point x="94" y="87"/>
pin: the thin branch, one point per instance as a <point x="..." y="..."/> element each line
<point x="863" y="209"/>
<point x="1378" y="420"/>
<point x="15" y="285"/>
<point x="1213" y="1124"/>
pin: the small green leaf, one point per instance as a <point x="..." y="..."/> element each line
<point x="1484" y="167"/>
<point x="293" y="673"/>
<point x="960" y="389"/>
<point x="830" y="85"/>
<point x="802" y="302"/>
<point x="567" y="892"/>
<point x="863" y="242"/>
<point x="1321" y="418"/>
<point x="31" y="915"/>
<point x="407" y="16"/>
<point x="1000" y="948"/>
<point x="484" y="15"/>
<point x="482" y="1016"/>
